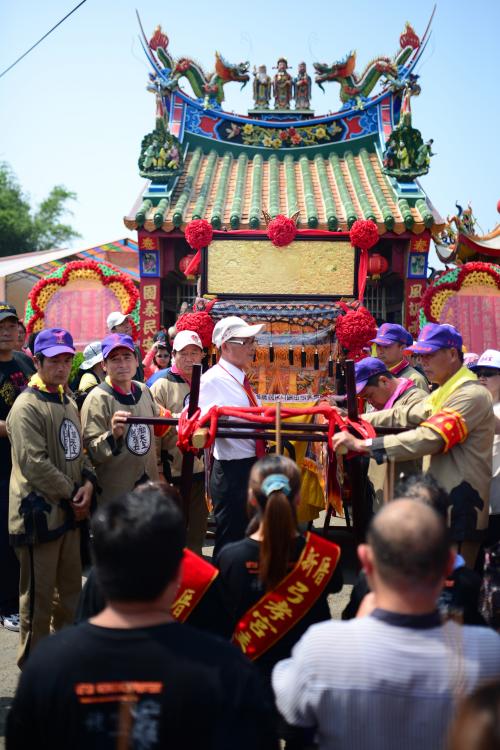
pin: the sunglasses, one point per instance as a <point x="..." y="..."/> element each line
<point x="487" y="373"/>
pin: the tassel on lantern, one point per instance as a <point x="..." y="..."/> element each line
<point x="303" y="358"/>
<point x="271" y="352"/>
<point x="214" y="359"/>
<point x="290" y="355"/>
<point x="316" y="360"/>
<point x="330" y="366"/>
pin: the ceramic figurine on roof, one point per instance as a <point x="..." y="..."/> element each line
<point x="406" y="156"/>
<point x="160" y="157"/>
<point x="355" y="88"/>
<point x="262" y="87"/>
<point x="282" y="85"/>
<point x="302" y="88"/>
<point x="459" y="243"/>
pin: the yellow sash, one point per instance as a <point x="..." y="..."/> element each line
<point x="283" y="607"/>
<point x="437" y="398"/>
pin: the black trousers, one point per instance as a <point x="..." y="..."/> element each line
<point x="228" y="488"/>
<point x="9" y="564"/>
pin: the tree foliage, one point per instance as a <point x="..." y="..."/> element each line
<point x="22" y="229"/>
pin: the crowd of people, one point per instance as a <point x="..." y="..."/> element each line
<point x="164" y="647"/>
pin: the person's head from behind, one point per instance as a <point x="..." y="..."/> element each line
<point x="138" y="542"/>
<point x="423" y="487"/>
<point x="477" y="723"/>
<point x="273" y="493"/>
<point x="407" y="554"/>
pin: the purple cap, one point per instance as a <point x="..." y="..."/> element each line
<point x="54" y="341"/>
<point x="433" y="337"/>
<point x="365" y="369"/>
<point x="114" y="341"/>
<point x="392" y="333"/>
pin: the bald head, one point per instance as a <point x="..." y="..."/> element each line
<point x="410" y="544"/>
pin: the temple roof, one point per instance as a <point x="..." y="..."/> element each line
<point x="231" y="188"/>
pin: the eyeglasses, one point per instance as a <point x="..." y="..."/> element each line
<point x="489" y="373"/>
<point x="242" y="342"/>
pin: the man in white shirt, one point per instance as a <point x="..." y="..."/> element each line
<point x="226" y="384"/>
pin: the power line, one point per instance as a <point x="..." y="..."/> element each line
<point x="42" y="38"/>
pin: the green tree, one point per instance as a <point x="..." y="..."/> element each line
<point x="23" y="229"/>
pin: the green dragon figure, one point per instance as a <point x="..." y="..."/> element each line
<point x="209" y="87"/>
<point x="356" y="87"/>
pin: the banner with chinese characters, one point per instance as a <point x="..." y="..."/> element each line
<point x="282" y="607"/>
<point x="414" y="291"/>
<point x="150" y="312"/>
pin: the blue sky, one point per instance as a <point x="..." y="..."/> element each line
<point x="75" y="110"/>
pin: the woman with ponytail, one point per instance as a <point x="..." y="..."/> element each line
<point x="267" y="571"/>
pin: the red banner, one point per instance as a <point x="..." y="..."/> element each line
<point x="414" y="291"/>
<point x="280" y="609"/>
<point x="197" y="577"/>
<point x="150" y="311"/>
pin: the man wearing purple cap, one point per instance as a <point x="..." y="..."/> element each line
<point x="124" y="455"/>
<point x="51" y="489"/>
<point x="392" y="341"/>
<point x="452" y="428"/>
<point x="378" y="386"/>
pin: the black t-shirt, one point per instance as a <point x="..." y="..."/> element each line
<point x="167" y="686"/>
<point x="239" y="567"/>
<point x="13" y="380"/>
<point x="210" y="614"/>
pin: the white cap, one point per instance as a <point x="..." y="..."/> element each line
<point x="185" y="338"/>
<point x="234" y="328"/>
<point x="115" y="319"/>
<point x="489" y="358"/>
<point x="92" y="354"/>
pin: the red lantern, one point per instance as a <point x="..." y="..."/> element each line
<point x="377" y="265"/>
<point x="184" y="262"/>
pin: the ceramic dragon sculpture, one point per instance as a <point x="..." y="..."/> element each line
<point x="358" y="87"/>
<point x="209" y="87"/>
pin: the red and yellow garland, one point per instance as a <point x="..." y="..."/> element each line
<point x="119" y="283"/>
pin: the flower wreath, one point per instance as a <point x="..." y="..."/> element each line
<point x="119" y="283"/>
<point x="437" y="294"/>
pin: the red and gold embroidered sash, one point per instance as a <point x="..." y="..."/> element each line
<point x="283" y="607"/>
<point x="197" y="577"/>
<point x="450" y="425"/>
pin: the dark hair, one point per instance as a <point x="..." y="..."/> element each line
<point x="277" y="512"/>
<point x="40" y="357"/>
<point x="373" y="381"/>
<point x="425" y="488"/>
<point x="412" y="550"/>
<point x="20" y="323"/>
<point x="460" y="355"/>
<point x="477" y="723"/>
<point x="137" y="543"/>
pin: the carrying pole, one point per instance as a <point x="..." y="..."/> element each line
<point x="188" y="458"/>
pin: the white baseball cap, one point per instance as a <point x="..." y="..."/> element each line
<point x="234" y="328"/>
<point x="185" y="338"/>
<point x="92" y="354"/>
<point x="489" y="358"/>
<point x="115" y="319"/>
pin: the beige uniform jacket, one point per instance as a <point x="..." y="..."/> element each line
<point x="48" y="465"/>
<point x="412" y="374"/>
<point x="119" y="464"/>
<point x="170" y="392"/>
<point x="465" y="470"/>
<point x="377" y="473"/>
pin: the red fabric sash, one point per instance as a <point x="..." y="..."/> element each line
<point x="283" y="607"/>
<point x="396" y="369"/>
<point x="197" y="577"/>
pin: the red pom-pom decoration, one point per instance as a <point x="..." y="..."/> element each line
<point x="200" y="322"/>
<point x="281" y="231"/>
<point x="364" y="234"/>
<point x="199" y="234"/>
<point x="355" y="330"/>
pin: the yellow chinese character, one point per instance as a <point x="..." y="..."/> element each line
<point x="420" y="246"/>
<point x="243" y="638"/>
<point x="412" y="328"/>
<point x="323" y="570"/>
<point x="278" y="610"/>
<point x="149" y="291"/>
<point x="413" y="309"/>
<point x="183" y="601"/>
<point x="310" y="562"/>
<point x="148" y="243"/>
<point x="261" y="624"/>
<point x="147" y="343"/>
<point x="415" y="291"/>
<point x="149" y="326"/>
<point x="297" y="589"/>
<point x="150" y="309"/>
